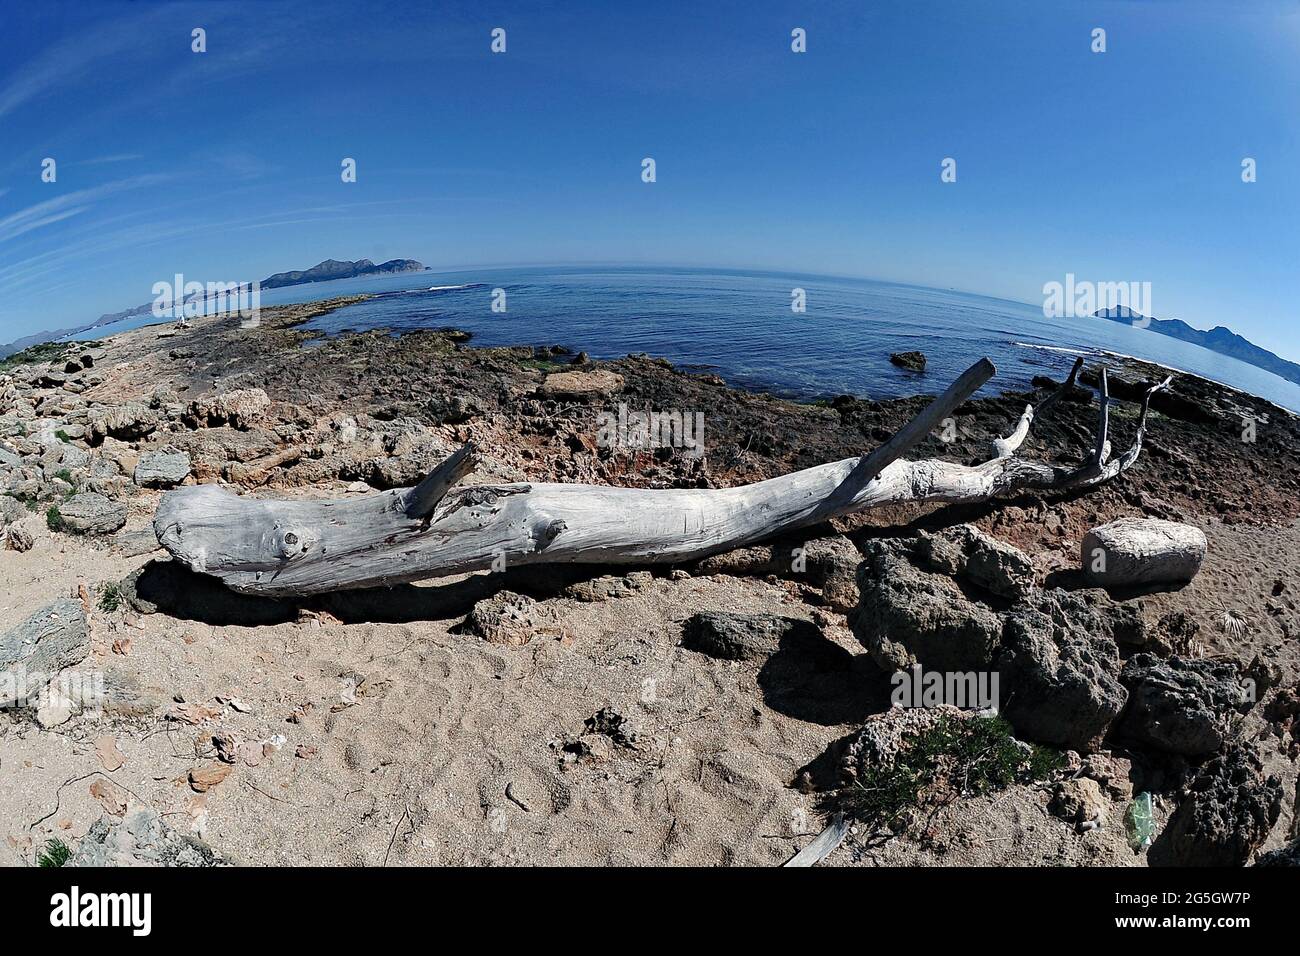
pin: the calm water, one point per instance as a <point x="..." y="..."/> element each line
<point x="740" y="325"/>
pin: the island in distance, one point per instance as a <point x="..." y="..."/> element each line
<point x="341" y="269"/>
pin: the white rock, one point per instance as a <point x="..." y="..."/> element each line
<point x="1137" y="551"/>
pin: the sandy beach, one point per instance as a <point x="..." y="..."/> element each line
<point x="559" y="715"/>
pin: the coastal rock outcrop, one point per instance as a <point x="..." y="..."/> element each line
<point x="241" y="408"/>
<point x="913" y="361"/>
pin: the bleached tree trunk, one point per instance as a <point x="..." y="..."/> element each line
<point x="282" y="547"/>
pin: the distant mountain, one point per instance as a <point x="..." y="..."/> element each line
<point x="1218" y="339"/>
<point x="336" y="269"/>
<point x="27" y="341"/>
<point x="321" y="272"/>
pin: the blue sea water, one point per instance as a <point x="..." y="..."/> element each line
<point x="740" y="325"/>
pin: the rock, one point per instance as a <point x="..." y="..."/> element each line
<point x="32" y="654"/>
<point x="1169" y="401"/>
<point x="969" y="553"/>
<point x="240" y="409"/>
<point x="1135" y="551"/>
<point x="510" y="618"/>
<point x="914" y="361"/>
<point x="141" y="838"/>
<point x="203" y="779"/>
<point x="18" y="537"/>
<point x="744" y="637"/>
<point x="1180" y="705"/>
<point x="598" y="383"/>
<point x="1288" y="855"/>
<point x="162" y="469"/>
<point x="610" y="723"/>
<point x="128" y="421"/>
<point x="135" y="543"/>
<point x="908" y="616"/>
<point x="1076" y="394"/>
<point x="882" y="736"/>
<point x="1225" y="817"/>
<point x="609" y="586"/>
<point x="1079" y="802"/>
<point x="1059" y="670"/>
<point x="92" y="513"/>
<point x="831" y="563"/>
<point x="1111" y="773"/>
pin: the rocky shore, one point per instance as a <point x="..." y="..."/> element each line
<point x="724" y="711"/>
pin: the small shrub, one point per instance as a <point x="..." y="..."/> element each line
<point x="110" y="596"/>
<point x="64" y="475"/>
<point x="53" y="519"/>
<point x="62" y="436"/>
<point x="56" y="853"/>
<point x="954" y="757"/>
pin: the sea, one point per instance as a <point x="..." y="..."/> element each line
<point x="741" y="326"/>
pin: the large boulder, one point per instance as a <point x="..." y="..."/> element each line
<point x="1133" y="552"/>
<point x="1059" y="671"/>
<point x="52" y="639"/>
<point x="127" y="421"/>
<point x="908" y="616"/>
<point x="92" y="513"/>
<point x="162" y="469"/>
<point x="1181" y="705"/>
<point x="1226" y="815"/>
<point x="240" y="409"/>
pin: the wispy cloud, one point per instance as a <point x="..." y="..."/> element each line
<point x="68" y="61"/>
<point x="70" y="204"/>
<point x="102" y="160"/>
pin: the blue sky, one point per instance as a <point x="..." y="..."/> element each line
<point x="1122" y="166"/>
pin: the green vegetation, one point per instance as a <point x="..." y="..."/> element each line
<point x="952" y="758"/>
<point x="56" y="853"/>
<point x="110" y="596"/>
<point x="62" y="436"/>
<point x="64" y="475"/>
<point x="28" y="501"/>
<point x="44" y="352"/>
<point x="53" y="519"/>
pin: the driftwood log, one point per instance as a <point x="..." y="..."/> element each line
<point x="281" y="547"/>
